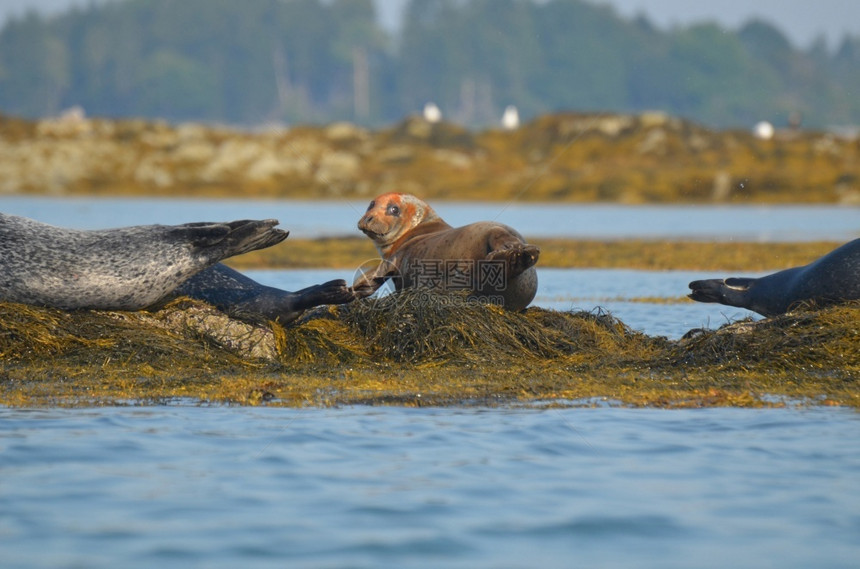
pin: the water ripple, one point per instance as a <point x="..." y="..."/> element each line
<point x="366" y="487"/>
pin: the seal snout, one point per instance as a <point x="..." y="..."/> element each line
<point x="373" y="225"/>
<point x="364" y="224"/>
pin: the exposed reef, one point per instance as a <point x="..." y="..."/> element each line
<point x="415" y="348"/>
<point x="646" y="158"/>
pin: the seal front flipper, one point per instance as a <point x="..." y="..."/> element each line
<point x="245" y="298"/>
<point x="332" y="292"/>
<point x="284" y="306"/>
<point x="368" y="282"/>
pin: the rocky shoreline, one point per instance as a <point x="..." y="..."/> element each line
<point x="646" y="158"/>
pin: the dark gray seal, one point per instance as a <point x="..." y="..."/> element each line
<point x="833" y="278"/>
<point x="133" y="268"/>
<point x="245" y="298"/>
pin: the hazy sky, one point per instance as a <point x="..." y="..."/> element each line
<point x="801" y="20"/>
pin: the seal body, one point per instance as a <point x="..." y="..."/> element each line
<point x="128" y="268"/>
<point x="489" y="260"/>
<point x="245" y="298"/>
<point x="831" y="279"/>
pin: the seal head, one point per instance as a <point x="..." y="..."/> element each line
<point x="392" y="217"/>
<point x="831" y="279"/>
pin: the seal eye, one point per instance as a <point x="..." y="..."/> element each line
<point x="370" y="207"/>
<point x="392" y="210"/>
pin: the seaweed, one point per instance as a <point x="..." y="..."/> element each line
<point x="420" y="348"/>
<point x="351" y="252"/>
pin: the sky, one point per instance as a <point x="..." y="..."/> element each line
<point x="802" y="21"/>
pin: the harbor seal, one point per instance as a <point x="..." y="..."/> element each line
<point x="240" y="296"/>
<point x="128" y="268"/>
<point x="489" y="260"/>
<point x="134" y="268"/>
<point x="833" y="278"/>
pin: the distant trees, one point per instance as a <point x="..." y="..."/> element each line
<point x="321" y="60"/>
<point x="222" y="60"/>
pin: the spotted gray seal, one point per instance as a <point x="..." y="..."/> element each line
<point x="138" y="267"/>
<point x="127" y="268"/>
<point x="489" y="260"/>
<point x="831" y="279"/>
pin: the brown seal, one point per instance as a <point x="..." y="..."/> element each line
<point x="489" y="260"/>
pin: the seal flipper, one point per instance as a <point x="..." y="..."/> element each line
<point x="284" y="307"/>
<point x="518" y="258"/>
<point x="243" y="297"/>
<point x="367" y="283"/>
<point x="222" y="240"/>
<point x="332" y="292"/>
<point x="732" y="291"/>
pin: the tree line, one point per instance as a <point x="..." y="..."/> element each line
<point x="312" y="61"/>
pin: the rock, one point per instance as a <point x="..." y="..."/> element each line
<point x="194" y="151"/>
<point x="345" y="132"/>
<point x="203" y="321"/>
<point x="188" y="132"/>
<point x="457" y="160"/>
<point x="151" y="172"/>
<point x="655" y="142"/>
<point x="268" y="166"/>
<point x="233" y="156"/>
<point x="722" y="190"/>
<point x="71" y="122"/>
<point x="653" y="119"/>
<point x="399" y="154"/>
<point x="614" y="125"/>
<point x="337" y="167"/>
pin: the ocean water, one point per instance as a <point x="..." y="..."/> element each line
<point x="310" y="219"/>
<point x="363" y="487"/>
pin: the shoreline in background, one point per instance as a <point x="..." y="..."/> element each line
<point x="648" y="158"/>
<point x="637" y="254"/>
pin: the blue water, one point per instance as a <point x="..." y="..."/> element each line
<point x="187" y="486"/>
<point x="309" y="219"/>
<point x="180" y="486"/>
